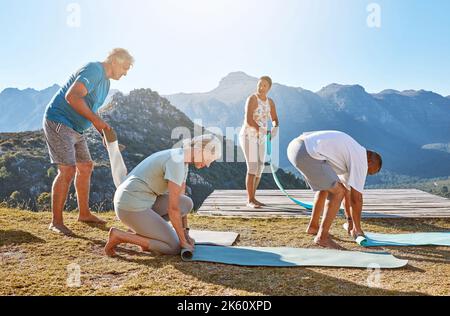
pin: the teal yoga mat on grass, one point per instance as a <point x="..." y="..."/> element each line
<point x="293" y="257"/>
<point x="404" y="240"/>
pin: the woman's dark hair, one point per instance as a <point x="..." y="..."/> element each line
<point x="268" y="79"/>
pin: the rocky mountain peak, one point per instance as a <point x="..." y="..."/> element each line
<point x="236" y="78"/>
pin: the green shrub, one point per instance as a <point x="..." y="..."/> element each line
<point x="44" y="201"/>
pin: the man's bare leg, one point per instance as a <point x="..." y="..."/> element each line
<point x="319" y="205"/>
<point x="82" y="186"/>
<point x="60" y="189"/>
<point x="323" y="238"/>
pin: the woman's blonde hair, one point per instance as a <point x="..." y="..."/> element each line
<point x="120" y="55"/>
<point x="207" y="142"/>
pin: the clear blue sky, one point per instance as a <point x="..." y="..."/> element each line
<point x="189" y="45"/>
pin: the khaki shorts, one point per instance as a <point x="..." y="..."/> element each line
<point x="254" y="150"/>
<point x="65" y="146"/>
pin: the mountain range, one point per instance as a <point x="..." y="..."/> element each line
<point x="22" y="110"/>
<point x="408" y="128"/>
<point x="144" y="122"/>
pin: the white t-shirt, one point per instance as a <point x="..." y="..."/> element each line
<point x="347" y="158"/>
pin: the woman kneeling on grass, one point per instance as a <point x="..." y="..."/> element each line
<point x="153" y="194"/>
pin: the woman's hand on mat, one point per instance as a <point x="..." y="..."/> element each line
<point x="189" y="239"/>
<point x="184" y="244"/>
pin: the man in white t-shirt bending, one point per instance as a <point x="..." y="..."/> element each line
<point x="333" y="163"/>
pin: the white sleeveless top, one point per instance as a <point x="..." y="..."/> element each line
<point x="260" y="116"/>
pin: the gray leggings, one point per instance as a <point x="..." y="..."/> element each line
<point x="153" y="224"/>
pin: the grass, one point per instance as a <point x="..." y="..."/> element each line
<point x="35" y="261"/>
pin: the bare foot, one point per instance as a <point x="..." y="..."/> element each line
<point x="253" y="205"/>
<point x="92" y="219"/>
<point x="311" y="230"/>
<point x="258" y="203"/>
<point x="60" y="229"/>
<point x="327" y="243"/>
<point x="113" y="241"/>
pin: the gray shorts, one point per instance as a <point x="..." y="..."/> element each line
<point x="318" y="173"/>
<point x="65" y="146"/>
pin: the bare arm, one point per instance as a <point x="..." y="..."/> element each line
<point x="357" y="204"/>
<point x="75" y="97"/>
<point x="183" y="192"/>
<point x="273" y="114"/>
<point x="175" y="213"/>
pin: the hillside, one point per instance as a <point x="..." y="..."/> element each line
<point x="411" y="129"/>
<point x="144" y="123"/>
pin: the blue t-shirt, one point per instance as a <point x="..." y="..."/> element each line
<point x="94" y="78"/>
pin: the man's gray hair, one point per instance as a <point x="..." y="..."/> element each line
<point x="120" y="55"/>
<point x="207" y="142"/>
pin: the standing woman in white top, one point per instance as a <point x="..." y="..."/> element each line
<point x="252" y="138"/>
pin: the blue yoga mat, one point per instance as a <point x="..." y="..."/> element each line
<point x="293" y="257"/>
<point x="404" y="240"/>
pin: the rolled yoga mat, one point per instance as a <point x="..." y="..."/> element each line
<point x="211" y="238"/>
<point x="118" y="167"/>
<point x="403" y="240"/>
<point x="292" y="257"/>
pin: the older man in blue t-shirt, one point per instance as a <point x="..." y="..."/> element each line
<point x="71" y="112"/>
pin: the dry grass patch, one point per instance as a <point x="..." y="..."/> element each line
<point x="35" y="261"/>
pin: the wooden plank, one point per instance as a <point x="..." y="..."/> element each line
<point x="367" y="204"/>
<point x="404" y="203"/>
<point x="394" y="211"/>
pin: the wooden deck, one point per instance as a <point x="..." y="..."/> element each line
<point x="377" y="204"/>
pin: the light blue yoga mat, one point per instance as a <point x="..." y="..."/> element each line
<point x="293" y="257"/>
<point x="403" y="240"/>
